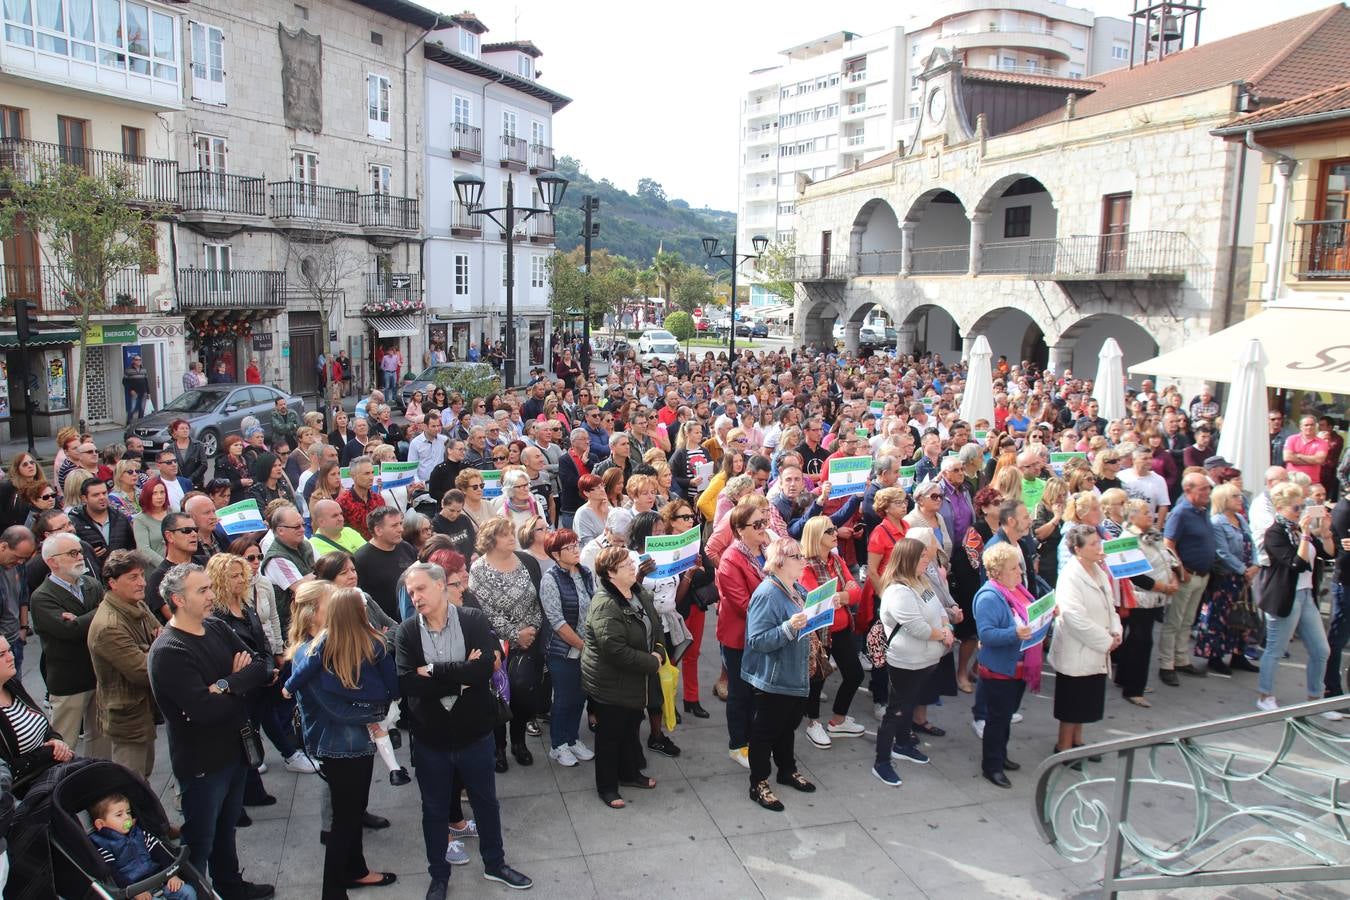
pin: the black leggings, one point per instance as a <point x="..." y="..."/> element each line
<point x="344" y="858"/>
<point x="1131" y="657"/>
<point x="844" y="650"/>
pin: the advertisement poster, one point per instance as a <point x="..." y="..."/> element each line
<point x="58" y="391"/>
<point x="4" y="390"/>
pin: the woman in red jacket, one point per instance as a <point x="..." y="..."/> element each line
<point x="820" y="542"/>
<point x="738" y="574"/>
<point x="890" y="504"/>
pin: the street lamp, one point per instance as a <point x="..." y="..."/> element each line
<point x="469" y="191"/>
<point x="733" y="261"/>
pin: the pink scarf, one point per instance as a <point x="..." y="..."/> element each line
<point x="1019" y="598"/>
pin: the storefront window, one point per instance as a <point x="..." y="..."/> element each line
<point x="536" y="342"/>
<point x="460" y="339"/>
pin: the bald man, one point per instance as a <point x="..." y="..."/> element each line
<point x="330" y="531"/>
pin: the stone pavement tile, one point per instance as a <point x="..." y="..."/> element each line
<point x="704" y="752"/>
<point x="670" y="814"/>
<point x="1032" y="886"/>
<point x="702" y="868"/>
<point x="727" y="799"/>
<point x="565" y="879"/>
<point x="853" y="786"/>
<point x="535" y="828"/>
<point x="260" y="849"/>
<point x="839" y="862"/>
<point x="582" y="775"/>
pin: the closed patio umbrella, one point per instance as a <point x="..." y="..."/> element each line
<point x="1243" y="440"/>
<point x="1109" y="385"/>
<point x="977" y="400"/>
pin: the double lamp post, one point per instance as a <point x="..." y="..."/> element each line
<point x="733" y="261"/>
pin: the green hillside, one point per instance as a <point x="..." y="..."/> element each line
<point x="636" y="225"/>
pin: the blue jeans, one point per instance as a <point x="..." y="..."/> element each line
<point x="740" y="700"/>
<point x="436" y="771"/>
<point x="1307" y="621"/>
<point x="1001" y="699"/>
<point x="568" y="699"/>
<point x="1337" y="638"/>
<point x="211" y="807"/>
<point x="390" y="384"/>
<point x="186" y="892"/>
<point x="135" y="405"/>
<point x="565" y="519"/>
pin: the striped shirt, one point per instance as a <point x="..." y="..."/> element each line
<point x="30" y="726"/>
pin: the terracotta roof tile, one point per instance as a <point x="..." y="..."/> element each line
<point x="1333" y="99"/>
<point x="1052" y="81"/>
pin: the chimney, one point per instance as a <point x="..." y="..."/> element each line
<point x="1070" y="106"/>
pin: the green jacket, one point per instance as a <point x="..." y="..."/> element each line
<point x="617" y="662"/>
<point x="65" y="651"/>
<point x="119" y="642"/>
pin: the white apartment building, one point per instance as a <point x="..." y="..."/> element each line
<point x="488" y="117"/>
<point x="838" y="101"/>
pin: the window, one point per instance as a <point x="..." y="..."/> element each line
<point x="210" y="151"/>
<point x="538" y="135"/>
<point x="525" y="66"/>
<point x="1075" y="73"/>
<point x="538" y="271"/>
<point x="914" y="111"/>
<point x="208" y="64"/>
<point x="216" y="262"/>
<point x="377" y="107"/>
<point x="786" y="209"/>
<point x="1120" y="51"/>
<point x="73" y="136"/>
<point x="377" y="39"/>
<point x="126" y="36"/>
<point x="463" y="111"/>
<point x="305" y="167"/>
<point x="1009" y="62"/>
<point x="468" y="43"/>
<point x="509" y="123"/>
<point x="380" y="179"/>
<point x="1017" y="222"/>
<point x="461" y="274"/>
<point x="11" y="122"/>
<point x="133" y="142"/>
<point x="302" y="12"/>
<point x="536" y="327"/>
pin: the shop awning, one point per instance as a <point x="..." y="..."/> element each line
<point x="394" y="326"/>
<point x="9" y="340"/>
<point x="1309" y="349"/>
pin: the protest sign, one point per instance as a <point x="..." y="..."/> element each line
<point x="673" y="553"/>
<point x="820" y="607"/>
<point x="1039" y="616"/>
<point x="848" y="475"/>
<point x="492" y="483"/>
<point x="1125" y="558"/>
<point x="396" y="474"/>
<point x="241" y="518"/>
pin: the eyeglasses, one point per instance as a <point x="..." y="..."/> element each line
<point x="689" y="516"/>
<point x="501" y="458"/>
<point x="831" y="530"/>
<point x="476" y="487"/>
<point x="188" y="530"/>
<point x="168" y="462"/>
<point x="72" y="554"/>
<point x="758" y="524"/>
<point x="793" y="556"/>
<point x="47" y="496"/>
<point x="460" y="583"/>
<point x="253" y="557"/>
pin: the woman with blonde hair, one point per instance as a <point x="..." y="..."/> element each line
<point x="326" y="485"/>
<point x="820" y="542"/>
<point x="1083" y="508"/>
<point x="664" y="480"/>
<point x="1229" y="581"/>
<point x="1113" y="512"/>
<point x="1046" y="521"/>
<point x="689" y="455"/>
<point x="1151" y="593"/>
<point x="24" y="474"/>
<point x="346" y="667"/>
<point x="736" y="487"/>
<point x="641" y="492"/>
<point x="71" y="495"/>
<point x="732" y="464"/>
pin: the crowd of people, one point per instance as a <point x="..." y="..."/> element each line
<point x="507" y="589"/>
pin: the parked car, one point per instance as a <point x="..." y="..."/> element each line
<point x="759" y="329"/>
<point x="657" y="345"/>
<point x="701" y="325"/>
<point x="211" y="412"/>
<point x="427" y="378"/>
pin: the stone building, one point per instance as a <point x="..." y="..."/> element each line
<point x="1049" y="214"/>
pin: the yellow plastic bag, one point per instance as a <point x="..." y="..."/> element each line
<point x="670" y="686"/>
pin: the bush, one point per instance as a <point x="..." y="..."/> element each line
<point x="680" y="324"/>
<point x="470" y="380"/>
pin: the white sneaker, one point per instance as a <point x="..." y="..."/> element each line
<point x="301" y="764"/>
<point x="563" y="756"/>
<point x="581" y="751"/>
<point x="879" y="710"/>
<point x="1267" y="704"/>
<point x="1016" y="717"/>
<point x="977" y="726"/>
<point x="456" y="854"/>
<point x="846" y="728"/>
<point x="816" y="735"/>
<point x="262" y="768"/>
<point x="1332" y="715"/>
<point x="741" y="755"/>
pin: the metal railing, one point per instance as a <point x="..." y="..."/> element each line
<point x="321" y="203"/>
<point x="387" y="211"/>
<point x="1133" y="254"/>
<point x="542" y="158"/>
<point x="952" y="260"/>
<point x="1321" y="249"/>
<point x="1029" y="257"/>
<point x="540" y="228"/>
<point x="877" y="262"/>
<point x="466" y="140"/>
<point x="514" y="151"/>
<point x="202" y="191"/>
<point x="231" y="289"/>
<point x="821" y="268"/>
<point x="392" y="292"/>
<point x="856" y="75"/>
<point x="128" y="290"/>
<point x="1250" y="807"/>
<point x="462" y="222"/>
<point x="148" y="179"/>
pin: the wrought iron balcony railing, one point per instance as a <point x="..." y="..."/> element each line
<point x="540" y="228"/>
<point x="466" y="141"/>
<point x="231" y="289"/>
<point x="150" y="180"/>
<point x="951" y="260"/>
<point x="316" y="202"/>
<point x="128" y="291"/>
<point x="216" y="192"/>
<point x="388" y="212"/>
<point x="821" y="268"/>
<point x="392" y="292"/>
<point x="1321" y="250"/>
<point x="514" y="152"/>
<point x="541" y="158"/>
<point x="462" y="223"/>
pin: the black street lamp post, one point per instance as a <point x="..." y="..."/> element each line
<point x="469" y="191"/>
<point x="733" y="261"/>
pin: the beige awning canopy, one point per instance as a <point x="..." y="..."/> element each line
<point x="1308" y="349"/>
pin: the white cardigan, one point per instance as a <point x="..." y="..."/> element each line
<point x="1087" y="621"/>
<point x="917" y="618"/>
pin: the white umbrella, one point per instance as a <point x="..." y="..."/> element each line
<point x="1243" y="441"/>
<point x="1109" y="385"/>
<point x="977" y="400"/>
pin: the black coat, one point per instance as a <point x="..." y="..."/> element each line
<point x="1279" y="580"/>
<point x="191" y="462"/>
<point x="569" y="499"/>
<point x="474" y="714"/>
<point x="120" y="535"/>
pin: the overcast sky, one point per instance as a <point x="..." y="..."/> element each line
<point x="655" y="88"/>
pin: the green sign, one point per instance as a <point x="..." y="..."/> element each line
<point x="907" y="476"/>
<point x="1032" y="491"/>
<point x="112" y="334"/>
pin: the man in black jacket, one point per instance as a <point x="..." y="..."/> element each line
<point x="445" y="656"/>
<point x="199" y="672"/>
<point x="98" y="525"/>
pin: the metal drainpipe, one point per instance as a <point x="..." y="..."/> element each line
<point x="1285" y="165"/>
<point x="421" y="245"/>
<point x="1233" y="238"/>
<point x="483" y="334"/>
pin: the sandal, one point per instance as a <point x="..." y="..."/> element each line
<point x="929" y="728"/>
<point x="612" y="800"/>
<point x="795" y="780"/>
<point x="645" y="783"/>
<point x="1140" y="701"/>
<point x="762" y="794"/>
<point x="965" y="687"/>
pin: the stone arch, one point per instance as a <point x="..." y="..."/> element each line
<point x="934" y="331"/>
<point x="875" y="228"/>
<point x="1014" y="333"/>
<point x="939" y="233"/>
<point x="1080" y="343"/>
<point x="1017" y="222"/>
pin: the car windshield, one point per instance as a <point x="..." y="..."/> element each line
<point x="194" y="401"/>
<point x="664" y="336"/>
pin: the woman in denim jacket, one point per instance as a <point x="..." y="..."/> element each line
<point x="345" y="678"/>
<point x="1234" y="569"/>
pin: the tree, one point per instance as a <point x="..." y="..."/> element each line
<point x="668" y="268"/>
<point x="91" y="228"/>
<point x="651" y="189"/>
<point x="680" y="324"/>
<point x="694" y="290"/>
<point x="775" y="267"/>
<point x="324" y="261"/>
<point x="646" y="283"/>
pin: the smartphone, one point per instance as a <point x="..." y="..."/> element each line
<point x="645" y="557"/>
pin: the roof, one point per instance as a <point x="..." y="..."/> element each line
<point x="1019" y="78"/>
<point x="406" y="12"/>
<point x="1328" y="103"/>
<point x="437" y="52"/>
<point x="469" y="22"/>
<point x="1280" y="62"/>
<point x="526" y="47"/>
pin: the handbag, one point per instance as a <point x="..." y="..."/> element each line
<point x="1243" y="615"/>
<point x="252" y="744"/>
<point x="500" y="688"/>
<point x="878" y="642"/>
<point x="818" y="658"/>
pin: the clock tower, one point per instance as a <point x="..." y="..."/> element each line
<point x="942" y="115"/>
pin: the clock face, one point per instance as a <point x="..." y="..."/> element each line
<point x="937" y="105"/>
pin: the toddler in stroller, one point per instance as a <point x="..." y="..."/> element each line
<point x="131" y="851"/>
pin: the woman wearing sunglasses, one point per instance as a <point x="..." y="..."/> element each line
<point x="39" y="497"/>
<point x="24" y="474"/>
<point x="820" y="542"/>
<point x="739" y="574"/>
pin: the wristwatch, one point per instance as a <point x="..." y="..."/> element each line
<point x="222" y="685"/>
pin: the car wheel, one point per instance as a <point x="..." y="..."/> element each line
<point x="210" y="441"/>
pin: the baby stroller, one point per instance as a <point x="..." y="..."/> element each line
<point x="49" y="846"/>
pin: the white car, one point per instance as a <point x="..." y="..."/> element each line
<point x="657" y="345"/>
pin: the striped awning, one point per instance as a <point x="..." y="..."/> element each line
<point x="9" y="340"/>
<point x="394" y="326"/>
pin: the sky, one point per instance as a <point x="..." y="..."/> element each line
<point x="656" y="88"/>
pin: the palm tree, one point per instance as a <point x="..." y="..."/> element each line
<point x="645" y="282"/>
<point x="667" y="267"/>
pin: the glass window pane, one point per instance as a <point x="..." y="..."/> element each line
<point x="50" y="15"/>
<point x="138" y="29"/>
<point x="109" y="24"/>
<point x="166" y="73"/>
<point x="164" y="37"/>
<point x="20" y="11"/>
<point x="81" y="14"/>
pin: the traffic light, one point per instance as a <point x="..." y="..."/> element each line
<point x="22" y="325"/>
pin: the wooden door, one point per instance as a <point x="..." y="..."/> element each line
<point x="826" y="238"/>
<point x="74" y="140"/>
<point x="23" y="264"/>
<point x="1115" y="233"/>
<point x="304" y="350"/>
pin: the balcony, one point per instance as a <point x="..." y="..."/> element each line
<point x="542" y="159"/>
<point x="540" y="228"/>
<point x="128" y="291"/>
<point x="821" y="268"/>
<point x="149" y="180"/>
<point x="761" y="136"/>
<point x="387" y="219"/>
<point x="514" y="153"/>
<point x="855" y="109"/>
<point x="316" y="208"/>
<point x="1129" y="256"/>
<point x="949" y="260"/>
<point x="855" y="76"/>
<point x="231" y="289"/>
<point x="216" y="203"/>
<point x="466" y="142"/>
<point x="462" y="224"/>
<point x="1321" y="250"/>
<point x="1032" y="40"/>
<point x="391" y="293"/>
